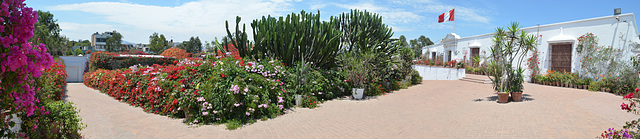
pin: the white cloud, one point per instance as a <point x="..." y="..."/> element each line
<point x="77" y="31"/>
<point x="389" y="15"/>
<point x="199" y="18"/>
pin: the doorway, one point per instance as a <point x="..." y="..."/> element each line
<point x="561" y="57"/>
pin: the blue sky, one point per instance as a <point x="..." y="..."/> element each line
<point x="181" y="19"/>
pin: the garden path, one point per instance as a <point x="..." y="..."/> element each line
<point x="433" y="109"/>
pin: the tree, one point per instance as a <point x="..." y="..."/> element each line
<point x="78" y="51"/>
<point x="418" y="44"/>
<point x="82" y="43"/>
<point x="114" y="42"/>
<point x="157" y="43"/>
<point x="403" y="41"/>
<point x="193" y="45"/>
<point x="47" y="32"/>
<point x="424" y="41"/>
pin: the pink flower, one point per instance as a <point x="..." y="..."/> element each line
<point x="319" y="93"/>
<point x="205" y="113"/>
<point x="248" y="113"/>
<point x="629" y="96"/>
<point x="235" y="89"/>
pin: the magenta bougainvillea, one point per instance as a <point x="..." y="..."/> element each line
<point x="20" y="61"/>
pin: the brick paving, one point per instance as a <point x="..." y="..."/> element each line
<point x="433" y="109"/>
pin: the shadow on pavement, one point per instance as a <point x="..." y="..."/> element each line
<point x="494" y="98"/>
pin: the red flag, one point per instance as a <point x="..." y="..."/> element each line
<point x="448" y="16"/>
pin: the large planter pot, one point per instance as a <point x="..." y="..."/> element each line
<point x="602" y="89"/>
<point x="585" y="87"/>
<point x="357" y="93"/>
<point x="516" y="96"/>
<point x="503" y="97"/>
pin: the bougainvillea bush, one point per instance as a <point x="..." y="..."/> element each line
<point x="55" y="119"/>
<point x="20" y="62"/>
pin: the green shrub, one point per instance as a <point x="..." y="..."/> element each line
<point x="111" y="61"/>
<point x="416" y="78"/>
<point x="595" y="86"/>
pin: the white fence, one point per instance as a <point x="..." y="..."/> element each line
<point x="439" y="73"/>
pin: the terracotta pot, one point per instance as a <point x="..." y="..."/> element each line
<point x="516" y="96"/>
<point x="579" y="86"/>
<point x="585" y="86"/>
<point x="565" y="85"/>
<point x="503" y="97"/>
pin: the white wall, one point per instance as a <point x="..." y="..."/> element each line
<point x="75" y="67"/>
<point x="611" y="32"/>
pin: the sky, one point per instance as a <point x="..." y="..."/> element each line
<point x="179" y="20"/>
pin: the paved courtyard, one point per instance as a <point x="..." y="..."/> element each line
<point x="433" y="109"/>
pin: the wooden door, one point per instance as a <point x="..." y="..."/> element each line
<point x="561" y="57"/>
<point x="433" y="56"/>
<point x="474" y="53"/>
<point x="448" y="56"/>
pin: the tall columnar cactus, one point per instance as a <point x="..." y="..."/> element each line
<point x="239" y="40"/>
<point x="364" y="31"/>
<point x="296" y="38"/>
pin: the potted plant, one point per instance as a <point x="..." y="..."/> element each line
<point x="505" y="62"/>
<point x="517" y="85"/>
<point x="356" y="66"/>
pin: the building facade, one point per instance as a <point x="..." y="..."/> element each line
<point x="556" y="42"/>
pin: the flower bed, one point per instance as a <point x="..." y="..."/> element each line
<point x="212" y="91"/>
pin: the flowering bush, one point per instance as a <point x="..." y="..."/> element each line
<point x="451" y="63"/>
<point x="54" y="118"/>
<point x="532" y="63"/>
<point x="175" y="52"/>
<point x="19" y="62"/>
<point x="632" y="128"/>
<point x="53" y="81"/>
<point x="212" y="91"/>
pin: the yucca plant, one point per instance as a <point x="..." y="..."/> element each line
<point x="509" y="49"/>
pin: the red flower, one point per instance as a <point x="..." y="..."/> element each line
<point x="629" y="96"/>
<point x="223" y="76"/>
<point x="241" y="62"/>
<point x="637" y="90"/>
<point x="625" y="107"/>
<point x="181" y="89"/>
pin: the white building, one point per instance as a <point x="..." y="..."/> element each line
<point x="144" y="48"/>
<point x="618" y="31"/>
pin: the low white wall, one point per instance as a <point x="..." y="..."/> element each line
<point x="439" y="73"/>
<point x="75" y="67"/>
